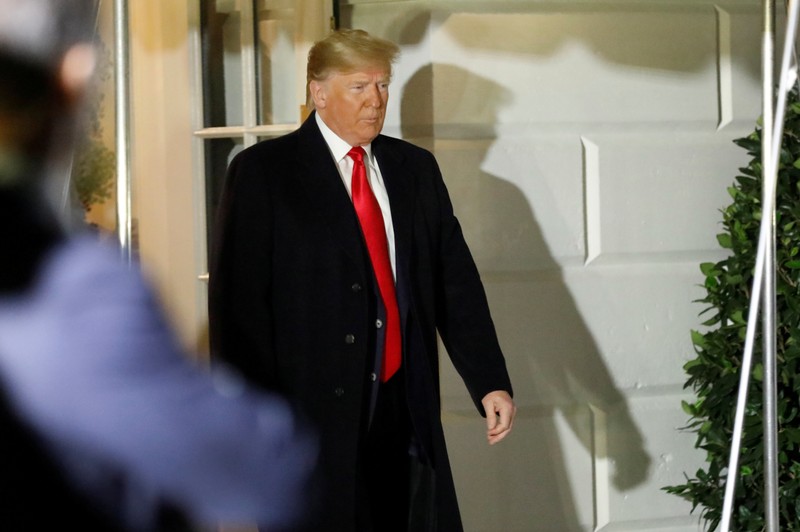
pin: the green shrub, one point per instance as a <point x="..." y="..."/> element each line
<point x="94" y="167"/>
<point x="714" y="374"/>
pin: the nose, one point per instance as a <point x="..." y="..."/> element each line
<point x="374" y="96"/>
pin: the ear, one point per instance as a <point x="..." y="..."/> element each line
<point x="76" y="71"/>
<point x="318" y="92"/>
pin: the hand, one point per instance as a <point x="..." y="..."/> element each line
<point x="500" y="411"/>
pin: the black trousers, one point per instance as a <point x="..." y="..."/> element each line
<point x="384" y="469"/>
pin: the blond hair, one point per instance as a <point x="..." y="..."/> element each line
<point x="347" y="50"/>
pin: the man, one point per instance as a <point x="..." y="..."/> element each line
<point x="105" y="423"/>
<point x="333" y="268"/>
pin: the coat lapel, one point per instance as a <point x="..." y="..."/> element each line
<point x="323" y="185"/>
<point x="400" y="186"/>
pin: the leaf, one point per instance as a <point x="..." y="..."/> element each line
<point x="737" y="317"/>
<point x="698" y="339"/>
<point x="709" y="269"/>
<point x="758" y="372"/>
<point x="792" y="434"/>
<point x="725" y="240"/>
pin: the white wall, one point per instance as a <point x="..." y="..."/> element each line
<point x="587" y="148"/>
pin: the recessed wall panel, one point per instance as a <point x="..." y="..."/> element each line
<point x="582" y="66"/>
<point x="661" y="193"/>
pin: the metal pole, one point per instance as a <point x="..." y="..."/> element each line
<point x="770" y="158"/>
<point x="122" y="106"/>
<point x="770" y="419"/>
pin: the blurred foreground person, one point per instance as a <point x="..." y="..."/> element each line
<point x="105" y="423"/>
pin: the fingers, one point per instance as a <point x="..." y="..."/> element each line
<point x="502" y="425"/>
<point x="500" y="411"/>
<point x="491" y="418"/>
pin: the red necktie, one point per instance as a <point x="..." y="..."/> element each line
<point x="371" y="220"/>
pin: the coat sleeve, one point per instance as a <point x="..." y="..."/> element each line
<point x="240" y="315"/>
<point x="463" y="318"/>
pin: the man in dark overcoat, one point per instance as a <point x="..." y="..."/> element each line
<point x="300" y="302"/>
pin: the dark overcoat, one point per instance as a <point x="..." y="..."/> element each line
<point x="292" y="300"/>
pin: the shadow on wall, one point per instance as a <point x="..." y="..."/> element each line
<point x="555" y="365"/>
<point x="637" y="41"/>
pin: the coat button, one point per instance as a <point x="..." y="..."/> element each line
<point x="356" y="287"/>
<point x="349" y="339"/>
<point x="378" y="324"/>
<point x="373" y="377"/>
<point x="338" y="392"/>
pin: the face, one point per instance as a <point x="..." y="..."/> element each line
<point x="353" y="105"/>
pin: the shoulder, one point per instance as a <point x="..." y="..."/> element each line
<point x="402" y="147"/>
<point x="85" y="312"/>
<point x="273" y="150"/>
<point x="401" y="153"/>
<point x="85" y="285"/>
<point x="74" y="279"/>
<point x="280" y="155"/>
<point x="86" y="263"/>
<point x="411" y="158"/>
<point x="252" y="170"/>
<point x="284" y="147"/>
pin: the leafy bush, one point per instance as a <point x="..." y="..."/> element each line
<point x="714" y="374"/>
<point x="94" y="167"/>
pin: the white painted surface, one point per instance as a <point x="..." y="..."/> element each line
<point x="587" y="148"/>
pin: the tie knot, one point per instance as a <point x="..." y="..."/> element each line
<point x="357" y="154"/>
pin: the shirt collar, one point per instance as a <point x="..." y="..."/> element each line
<point x="338" y="147"/>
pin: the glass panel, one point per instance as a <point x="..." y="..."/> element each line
<point x="218" y="154"/>
<point x="221" y="23"/>
<point x="276" y="62"/>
